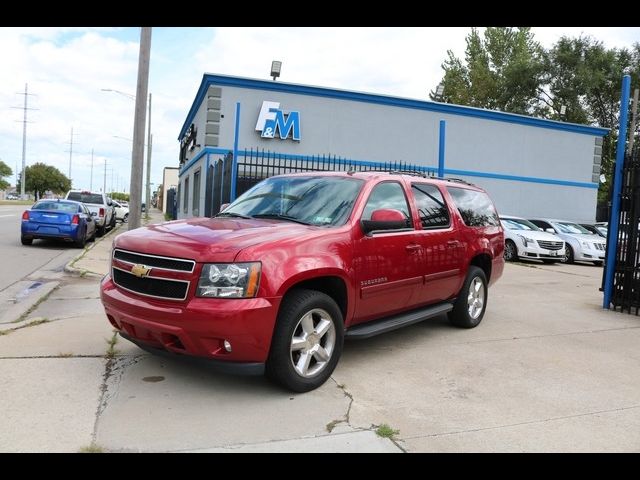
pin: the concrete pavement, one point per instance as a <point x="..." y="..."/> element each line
<point x="547" y="370"/>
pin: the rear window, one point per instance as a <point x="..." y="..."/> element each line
<point x="476" y="208"/>
<point x="60" y="206"/>
<point x="85" y="197"/>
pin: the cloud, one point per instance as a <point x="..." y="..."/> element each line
<point x="66" y="68"/>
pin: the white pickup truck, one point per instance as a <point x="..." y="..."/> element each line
<point x="100" y="206"/>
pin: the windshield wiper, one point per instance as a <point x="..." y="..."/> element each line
<point x="232" y="214"/>
<point x="280" y="216"/>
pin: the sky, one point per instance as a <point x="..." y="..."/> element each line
<point x="68" y="70"/>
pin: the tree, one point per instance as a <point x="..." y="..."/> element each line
<point x="502" y="71"/>
<point x="42" y="178"/>
<point x="5" y="171"/>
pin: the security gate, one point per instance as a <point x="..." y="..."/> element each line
<point x="626" y="280"/>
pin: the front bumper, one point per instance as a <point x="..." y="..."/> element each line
<point x="539" y="253"/>
<point x="196" y="327"/>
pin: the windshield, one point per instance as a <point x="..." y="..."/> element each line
<point x="518" y="224"/>
<point x="568" y="227"/>
<point x="311" y="200"/>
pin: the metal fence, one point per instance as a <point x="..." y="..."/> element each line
<point x="626" y="282"/>
<point x="255" y="165"/>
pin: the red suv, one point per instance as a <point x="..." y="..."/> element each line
<point x="280" y="277"/>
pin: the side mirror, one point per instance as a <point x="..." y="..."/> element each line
<point x="223" y="206"/>
<point x="550" y="230"/>
<point x="384" y="219"/>
<point x="109" y="202"/>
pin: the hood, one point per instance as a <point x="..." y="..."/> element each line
<point x="208" y="239"/>
<point x="537" y="235"/>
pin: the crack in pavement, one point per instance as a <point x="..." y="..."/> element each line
<point x="34" y="357"/>
<point x="531" y="422"/>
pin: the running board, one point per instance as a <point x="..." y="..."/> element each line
<point x="370" y="329"/>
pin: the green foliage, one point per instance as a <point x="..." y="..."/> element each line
<point x="502" y="71"/>
<point x="120" y="196"/>
<point x="42" y="178"/>
<point x="5" y="171"/>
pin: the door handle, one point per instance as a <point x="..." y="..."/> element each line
<point x="413" y="248"/>
<point x="453" y="243"/>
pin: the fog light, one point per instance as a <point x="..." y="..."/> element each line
<point x="227" y="345"/>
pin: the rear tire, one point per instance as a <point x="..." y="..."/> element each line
<point x="26" y="241"/>
<point x="472" y="300"/>
<point x="83" y="240"/>
<point x="100" y="231"/>
<point x="598" y="264"/>
<point x="307" y="341"/>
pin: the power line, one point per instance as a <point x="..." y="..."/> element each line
<point x="70" y="154"/>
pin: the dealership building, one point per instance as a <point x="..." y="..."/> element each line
<point x="240" y="128"/>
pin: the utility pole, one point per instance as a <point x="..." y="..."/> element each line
<point x="149" y="140"/>
<point x="91" y="178"/>
<point x="137" y="154"/>
<point x="24" y="141"/>
<point x="104" y="184"/>
<point x="70" y="155"/>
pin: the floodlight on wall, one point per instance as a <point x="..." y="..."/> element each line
<point x="439" y="93"/>
<point x="563" y="110"/>
<point x="276" y="66"/>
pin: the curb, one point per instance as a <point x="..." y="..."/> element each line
<point x="80" y="272"/>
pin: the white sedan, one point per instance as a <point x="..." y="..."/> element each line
<point x="122" y="212"/>
<point x="522" y="239"/>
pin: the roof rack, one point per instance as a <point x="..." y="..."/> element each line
<point x="458" y="180"/>
<point x="398" y="172"/>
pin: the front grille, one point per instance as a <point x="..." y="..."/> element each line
<point x="166" y="263"/>
<point x="599" y="246"/>
<point x="150" y="286"/>
<point x="550" y="245"/>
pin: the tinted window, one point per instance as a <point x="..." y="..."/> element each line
<point x="431" y="207"/>
<point x="475" y="208"/>
<point x="85" y="197"/>
<point x="387" y="195"/>
<point x="60" y="206"/>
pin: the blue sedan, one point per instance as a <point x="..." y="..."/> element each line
<point x="58" y="219"/>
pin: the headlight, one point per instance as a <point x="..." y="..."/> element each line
<point x="229" y="280"/>
<point x="526" y="240"/>
<point x="585" y="245"/>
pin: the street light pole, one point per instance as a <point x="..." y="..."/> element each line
<point x="137" y="154"/>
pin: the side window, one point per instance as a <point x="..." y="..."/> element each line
<point x="475" y="207"/>
<point x="387" y="195"/>
<point x="431" y="207"/>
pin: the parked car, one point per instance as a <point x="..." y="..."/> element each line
<point x="580" y="243"/>
<point x="58" y="219"/>
<point x="299" y="262"/>
<point x="122" y="211"/>
<point x="595" y="229"/>
<point x="97" y="203"/>
<point x="522" y="239"/>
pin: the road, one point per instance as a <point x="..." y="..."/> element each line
<point x="18" y="261"/>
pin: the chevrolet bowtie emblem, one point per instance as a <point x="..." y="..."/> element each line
<point x="140" y="270"/>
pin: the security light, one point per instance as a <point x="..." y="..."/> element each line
<point x="440" y="90"/>
<point x="276" y="66"/>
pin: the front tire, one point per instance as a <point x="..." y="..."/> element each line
<point x="125" y="219"/>
<point x="472" y="301"/>
<point x="568" y="254"/>
<point x="307" y="341"/>
<point x="510" y="251"/>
